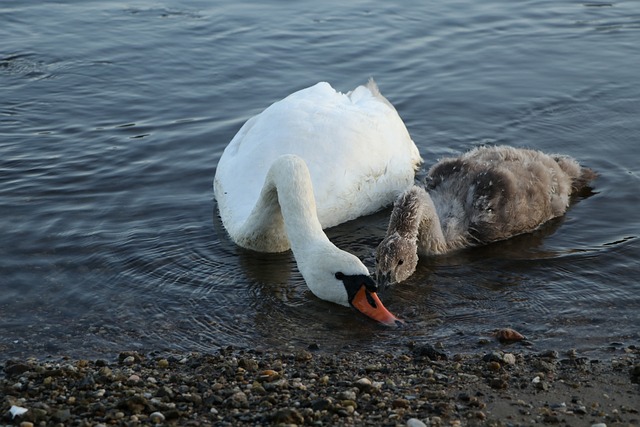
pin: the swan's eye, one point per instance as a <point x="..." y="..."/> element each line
<point x="400" y="262"/>
<point x="339" y="275"/>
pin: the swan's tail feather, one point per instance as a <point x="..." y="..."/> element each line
<point x="373" y="87"/>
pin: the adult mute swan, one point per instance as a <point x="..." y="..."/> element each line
<point x="486" y="195"/>
<point x="313" y="160"/>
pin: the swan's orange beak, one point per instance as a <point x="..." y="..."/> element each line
<point x="369" y="304"/>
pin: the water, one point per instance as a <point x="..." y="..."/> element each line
<point x="113" y="116"/>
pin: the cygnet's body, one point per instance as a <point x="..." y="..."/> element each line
<point x="488" y="194"/>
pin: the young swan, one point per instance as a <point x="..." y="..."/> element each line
<point x="485" y="195"/>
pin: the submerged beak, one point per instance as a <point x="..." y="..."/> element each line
<point x="384" y="280"/>
<point x="369" y="304"/>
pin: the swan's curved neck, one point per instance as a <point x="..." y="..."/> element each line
<point x="285" y="215"/>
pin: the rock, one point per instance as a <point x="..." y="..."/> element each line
<point x="136" y="404"/>
<point x="508" y="335"/>
<point x="494" y="366"/>
<point x="133" y="378"/>
<point x="365" y="385"/>
<point x="62" y="415"/>
<point x="509" y="359"/>
<point x="347" y="395"/>
<point x="494" y="356"/>
<point x="303" y="356"/>
<point x="129" y="357"/>
<point x="129" y="360"/>
<point x="238" y="400"/>
<point x="414" y="422"/>
<point x="248" y="364"/>
<point x="287" y="416"/>
<point x="12" y="368"/>
<point x="321" y="404"/>
<point x="157" y="417"/>
<point x="268" y="375"/>
<point x="430" y="352"/>
<point x="400" y="403"/>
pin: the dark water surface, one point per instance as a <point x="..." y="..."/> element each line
<point x="113" y="116"/>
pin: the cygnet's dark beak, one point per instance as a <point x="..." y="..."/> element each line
<point x="384" y="280"/>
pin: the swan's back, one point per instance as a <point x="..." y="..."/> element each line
<point x="493" y="193"/>
<point x="358" y="151"/>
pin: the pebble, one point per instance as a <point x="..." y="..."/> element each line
<point x="129" y="360"/>
<point x="414" y="422"/>
<point x="256" y="387"/>
<point x="509" y="359"/>
<point x="157" y="417"/>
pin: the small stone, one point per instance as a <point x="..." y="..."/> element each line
<point x="430" y="352"/>
<point x="509" y="359"/>
<point x="494" y="356"/>
<point x="400" y="403"/>
<point x="62" y="415"/>
<point x="157" y="417"/>
<point x="414" y="422"/>
<point x="303" y="356"/>
<point x="498" y="383"/>
<point x="363" y="383"/>
<point x="599" y="425"/>
<point x="288" y="416"/>
<point x="347" y="395"/>
<point x="542" y="385"/>
<point x="26" y="424"/>
<point x="494" y="366"/>
<point x="321" y="404"/>
<point x="162" y="364"/>
<point x="508" y="335"/>
<point x="15" y="368"/>
<point x="238" y="400"/>
<point x="580" y="410"/>
<point x="268" y="375"/>
<point x="129" y="360"/>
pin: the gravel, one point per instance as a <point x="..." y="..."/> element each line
<point x="416" y="386"/>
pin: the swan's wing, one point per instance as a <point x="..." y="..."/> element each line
<point x="358" y="151"/>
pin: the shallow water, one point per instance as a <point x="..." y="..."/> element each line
<point x="113" y="116"/>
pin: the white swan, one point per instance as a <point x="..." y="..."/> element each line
<point x="310" y="161"/>
<point x="486" y="195"/>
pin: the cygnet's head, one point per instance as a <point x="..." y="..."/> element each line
<point x="396" y="259"/>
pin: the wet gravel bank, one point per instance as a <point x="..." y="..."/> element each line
<point x="411" y="387"/>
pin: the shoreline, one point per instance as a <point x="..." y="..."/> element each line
<point x="410" y="387"/>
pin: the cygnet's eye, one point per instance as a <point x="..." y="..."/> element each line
<point x="400" y="262"/>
